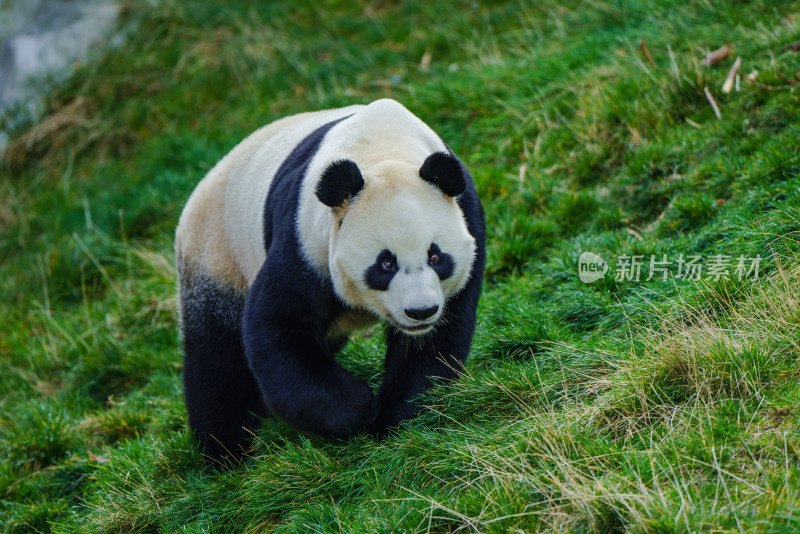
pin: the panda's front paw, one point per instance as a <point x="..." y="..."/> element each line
<point x="365" y="407"/>
<point x="348" y="412"/>
<point x="389" y="416"/>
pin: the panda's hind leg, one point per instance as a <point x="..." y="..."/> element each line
<point x="222" y="397"/>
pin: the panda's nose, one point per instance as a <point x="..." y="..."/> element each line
<point x="421" y="314"/>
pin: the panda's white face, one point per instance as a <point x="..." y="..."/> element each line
<point x="401" y="252"/>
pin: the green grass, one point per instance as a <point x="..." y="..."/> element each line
<point x="619" y="406"/>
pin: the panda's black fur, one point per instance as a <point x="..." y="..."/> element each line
<point x="270" y="348"/>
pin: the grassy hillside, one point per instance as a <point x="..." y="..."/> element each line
<point x="667" y="404"/>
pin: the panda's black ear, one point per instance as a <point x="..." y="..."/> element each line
<point x="445" y="172"/>
<point x="340" y="182"/>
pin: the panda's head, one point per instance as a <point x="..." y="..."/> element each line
<point x="400" y="247"/>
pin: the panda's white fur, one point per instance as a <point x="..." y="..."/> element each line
<point x="218" y="231"/>
<point x="220" y="227"/>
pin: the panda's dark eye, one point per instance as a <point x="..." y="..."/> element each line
<point x="380" y="274"/>
<point x="441" y="262"/>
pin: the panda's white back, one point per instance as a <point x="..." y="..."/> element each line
<point x="219" y="231"/>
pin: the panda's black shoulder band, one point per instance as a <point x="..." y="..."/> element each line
<point x="340" y="182"/>
<point x="445" y="172"/>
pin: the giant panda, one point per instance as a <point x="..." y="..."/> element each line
<point x="312" y="227"/>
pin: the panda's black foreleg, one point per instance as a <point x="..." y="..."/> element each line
<point x="285" y="345"/>
<point x="411" y="366"/>
<point x="222" y="398"/>
<point x="413" y="363"/>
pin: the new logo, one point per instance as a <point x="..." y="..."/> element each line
<point x="591" y="267"/>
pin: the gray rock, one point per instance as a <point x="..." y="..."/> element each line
<point x="44" y="39"/>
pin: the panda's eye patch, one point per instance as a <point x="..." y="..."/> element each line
<point x="380" y="273"/>
<point x="441" y="262"/>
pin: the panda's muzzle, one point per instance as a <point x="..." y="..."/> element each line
<point x="413" y="301"/>
<point x="420" y="314"/>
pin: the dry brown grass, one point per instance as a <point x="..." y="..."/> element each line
<point x="51" y="133"/>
